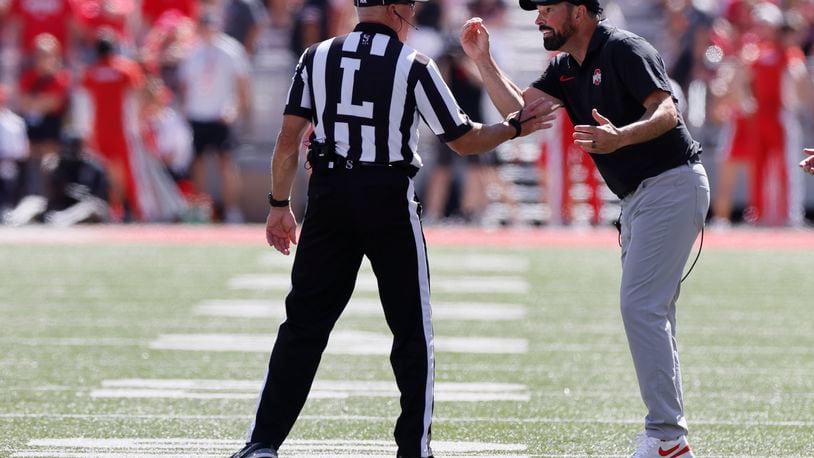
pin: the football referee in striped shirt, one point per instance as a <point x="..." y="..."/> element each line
<point x="364" y="93"/>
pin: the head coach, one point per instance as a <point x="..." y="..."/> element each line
<point x="364" y="93"/>
<point x="614" y="87"/>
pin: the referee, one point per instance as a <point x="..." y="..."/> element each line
<point x="364" y="93"/>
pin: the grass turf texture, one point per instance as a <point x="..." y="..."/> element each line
<point x="73" y="316"/>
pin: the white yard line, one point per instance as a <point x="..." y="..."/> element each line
<point x="448" y="344"/>
<point x="212" y="448"/>
<point x="76" y="341"/>
<point x="116" y="448"/>
<point x="369" y="343"/>
<point x="441" y="310"/>
<point x="451" y="344"/>
<point x="459" y="263"/>
<point x="322" y="389"/>
<point x="445" y="391"/>
<point x="341" y="342"/>
<point x="185" y="454"/>
<point x="367" y="283"/>
<point x="437" y="419"/>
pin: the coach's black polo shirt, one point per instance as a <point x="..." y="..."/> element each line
<point x="619" y="72"/>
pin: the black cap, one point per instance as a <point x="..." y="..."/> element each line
<point x="531" y="5"/>
<point x="105" y="43"/>
<point x="363" y="3"/>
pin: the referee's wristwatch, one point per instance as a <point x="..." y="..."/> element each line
<point x="277" y="203"/>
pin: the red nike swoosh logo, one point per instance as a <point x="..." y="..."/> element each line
<point x="663" y="452"/>
<point x="567" y="78"/>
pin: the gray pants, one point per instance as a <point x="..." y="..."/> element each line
<point x="660" y="222"/>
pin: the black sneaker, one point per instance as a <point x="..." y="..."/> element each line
<point x="256" y="450"/>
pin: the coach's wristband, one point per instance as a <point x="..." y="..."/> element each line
<point x="277" y="203"/>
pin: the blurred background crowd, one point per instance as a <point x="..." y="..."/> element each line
<point x="166" y="110"/>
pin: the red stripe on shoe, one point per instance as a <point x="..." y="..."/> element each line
<point x="663" y="452"/>
<point x="681" y="452"/>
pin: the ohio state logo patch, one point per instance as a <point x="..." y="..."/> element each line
<point x="597" y="77"/>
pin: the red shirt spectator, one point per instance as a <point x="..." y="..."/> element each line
<point x="55" y="86"/>
<point x="43" y="16"/>
<point x="96" y="15"/>
<point x="151" y="10"/>
<point x="770" y="62"/>
<point x="110" y="82"/>
<point x="45" y="86"/>
<point x="166" y="44"/>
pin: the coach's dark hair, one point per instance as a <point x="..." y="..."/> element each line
<point x="594" y="8"/>
<point x="596" y="11"/>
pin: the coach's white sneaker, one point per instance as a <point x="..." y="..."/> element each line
<point x="651" y="447"/>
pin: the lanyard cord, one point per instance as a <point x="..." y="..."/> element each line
<point x="700" y="247"/>
<point x="618" y="225"/>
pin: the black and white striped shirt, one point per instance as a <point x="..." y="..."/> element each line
<point x="365" y="91"/>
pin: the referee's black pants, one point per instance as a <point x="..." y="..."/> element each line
<point x="367" y="211"/>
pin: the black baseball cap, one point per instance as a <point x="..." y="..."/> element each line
<point x="105" y="43"/>
<point x="363" y="3"/>
<point x="531" y="5"/>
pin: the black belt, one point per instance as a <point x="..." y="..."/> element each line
<point x="341" y="164"/>
<point x="322" y="158"/>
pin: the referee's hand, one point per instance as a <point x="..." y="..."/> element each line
<point x="536" y="115"/>
<point x="808" y="163"/>
<point x="281" y="229"/>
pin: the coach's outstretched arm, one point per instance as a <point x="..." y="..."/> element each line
<point x="537" y="115"/>
<point x="506" y="96"/>
<point x="281" y="227"/>
<point x="504" y="93"/>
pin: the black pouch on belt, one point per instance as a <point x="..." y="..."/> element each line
<point x="321" y="155"/>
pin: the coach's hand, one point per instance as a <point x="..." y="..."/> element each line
<point x="808" y="163"/>
<point x="475" y="39"/>
<point x="602" y="139"/>
<point x="281" y="229"/>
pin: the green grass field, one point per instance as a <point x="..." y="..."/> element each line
<point x="121" y="341"/>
